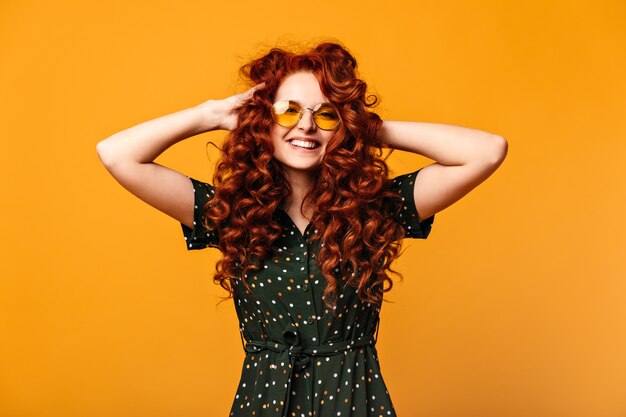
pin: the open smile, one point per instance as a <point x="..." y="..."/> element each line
<point x="304" y="143"/>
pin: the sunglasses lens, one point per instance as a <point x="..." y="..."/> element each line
<point x="326" y="117"/>
<point x="286" y="113"/>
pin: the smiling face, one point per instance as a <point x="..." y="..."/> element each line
<point x="300" y="148"/>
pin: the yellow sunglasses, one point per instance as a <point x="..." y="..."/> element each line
<point x="287" y="113"/>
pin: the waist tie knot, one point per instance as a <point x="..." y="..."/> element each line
<point x="293" y="352"/>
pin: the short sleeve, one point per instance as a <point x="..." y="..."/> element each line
<point x="199" y="237"/>
<point x="408" y="219"/>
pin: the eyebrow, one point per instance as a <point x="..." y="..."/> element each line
<point x="300" y="104"/>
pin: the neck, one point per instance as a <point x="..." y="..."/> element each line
<point x="300" y="182"/>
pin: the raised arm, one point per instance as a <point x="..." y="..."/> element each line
<point x="128" y="155"/>
<point x="465" y="158"/>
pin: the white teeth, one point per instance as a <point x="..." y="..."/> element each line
<point x="303" y="144"/>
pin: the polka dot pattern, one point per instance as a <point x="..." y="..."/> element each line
<point x="303" y="359"/>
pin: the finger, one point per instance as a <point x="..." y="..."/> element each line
<point x="258" y="86"/>
<point x="251" y="91"/>
<point x="246" y="95"/>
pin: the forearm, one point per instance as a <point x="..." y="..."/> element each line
<point x="144" y="142"/>
<point x="446" y="144"/>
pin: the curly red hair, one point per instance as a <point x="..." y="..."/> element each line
<point x="353" y="205"/>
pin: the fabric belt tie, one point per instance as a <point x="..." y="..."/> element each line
<point x="299" y="357"/>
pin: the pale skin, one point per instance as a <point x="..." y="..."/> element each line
<point x="465" y="157"/>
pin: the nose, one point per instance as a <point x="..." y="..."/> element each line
<point x="306" y="122"/>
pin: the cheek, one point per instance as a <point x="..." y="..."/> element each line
<point x="328" y="140"/>
<point x="275" y="137"/>
<point x="277" y="133"/>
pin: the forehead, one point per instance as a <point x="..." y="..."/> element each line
<point x="302" y="87"/>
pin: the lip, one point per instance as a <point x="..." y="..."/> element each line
<point x="307" y="150"/>
<point x="304" y="139"/>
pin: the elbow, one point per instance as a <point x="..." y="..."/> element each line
<point x="104" y="153"/>
<point x="100" y="150"/>
<point x="498" y="150"/>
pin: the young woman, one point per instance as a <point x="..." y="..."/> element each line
<point x="307" y="220"/>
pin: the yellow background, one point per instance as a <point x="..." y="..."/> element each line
<point x="513" y="307"/>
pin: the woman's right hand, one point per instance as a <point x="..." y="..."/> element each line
<point x="224" y="114"/>
<point x="129" y="155"/>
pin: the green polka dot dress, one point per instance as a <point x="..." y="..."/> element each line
<point x="302" y="360"/>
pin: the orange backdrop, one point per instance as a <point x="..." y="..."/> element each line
<point x="513" y="307"/>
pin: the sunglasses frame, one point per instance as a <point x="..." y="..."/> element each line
<point x="313" y="110"/>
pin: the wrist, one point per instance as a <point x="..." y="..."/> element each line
<point x="210" y="117"/>
<point x="382" y="135"/>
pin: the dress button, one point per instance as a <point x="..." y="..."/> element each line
<point x="309" y="320"/>
<point x="305" y="287"/>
